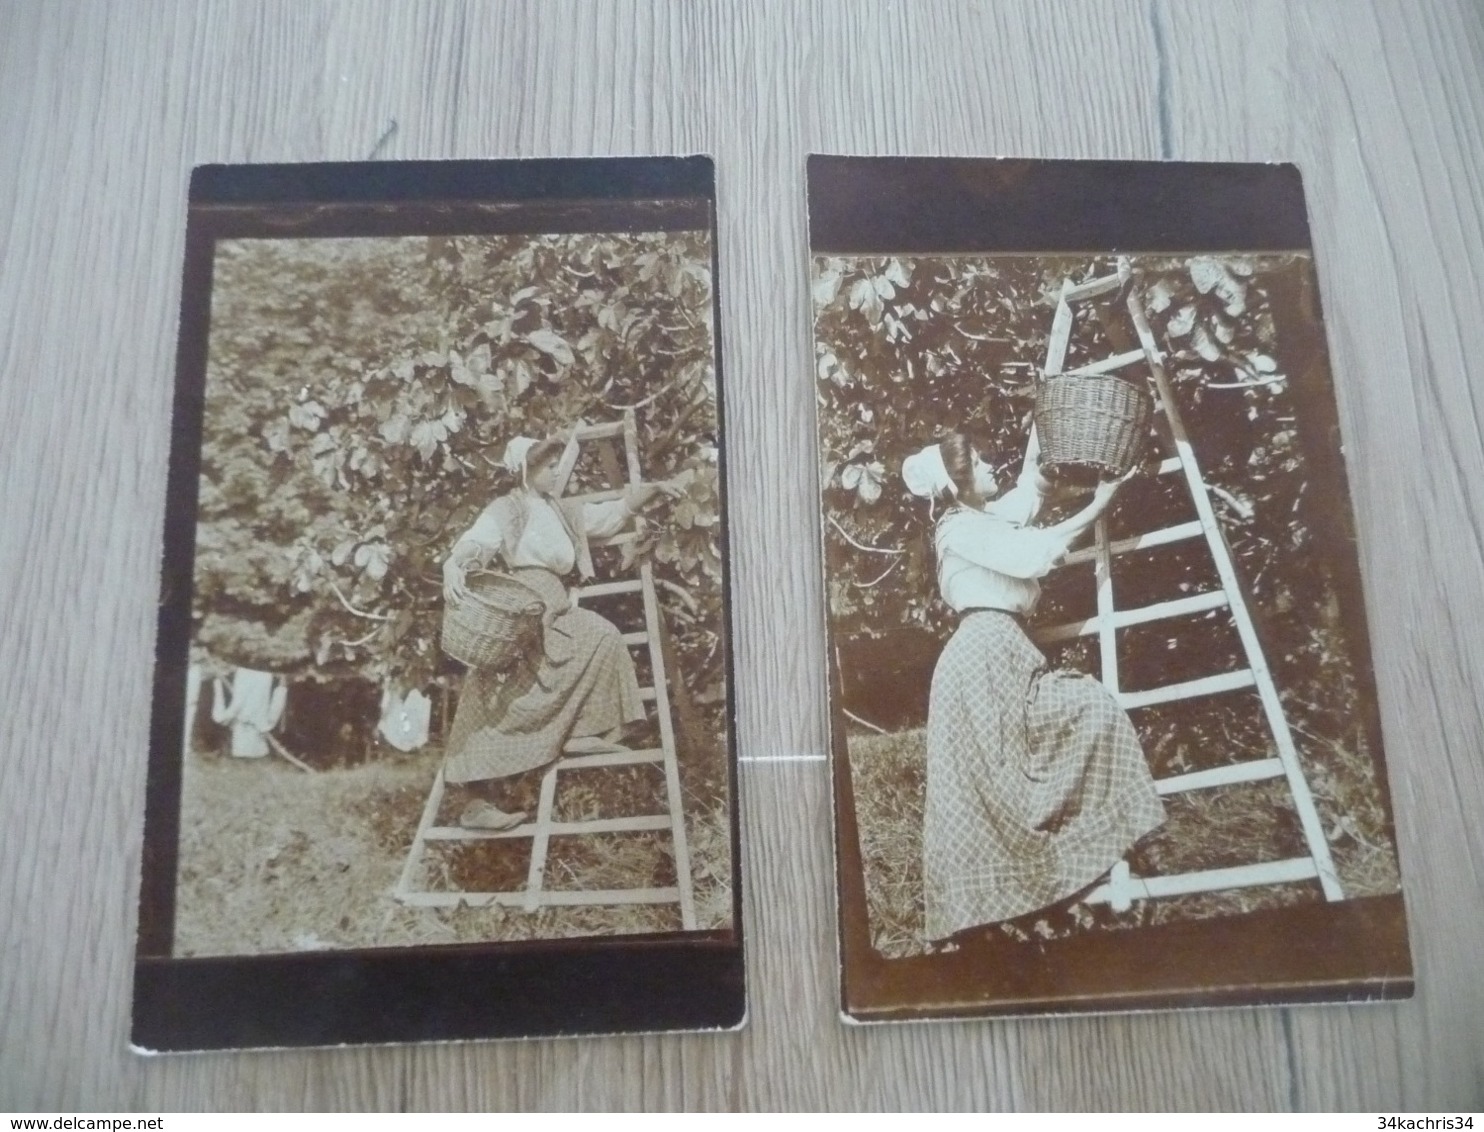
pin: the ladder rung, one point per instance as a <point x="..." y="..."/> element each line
<point x="600" y="431"/>
<point x="1213" y="880"/>
<point x="611" y="758"/>
<point x="566" y="898"/>
<point x="645" y="823"/>
<point x="569" y="898"/>
<point x="647" y="693"/>
<point x="1169" y="464"/>
<point x="1102" y="285"/>
<point x="604" y="589"/>
<point x="1123" y="618"/>
<point x="636" y="638"/>
<point x="1255" y="771"/>
<point x="1108" y="365"/>
<point x="1207" y="686"/>
<point x="1165" y="610"/>
<point x="1191" y="529"/>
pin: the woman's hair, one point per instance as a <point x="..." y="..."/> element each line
<point x="543" y="452"/>
<point x="958" y="459"/>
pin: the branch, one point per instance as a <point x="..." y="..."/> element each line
<point x="850" y="715"/>
<point x="860" y="545"/>
<point x="660" y="392"/>
<point x="882" y="576"/>
<point x="1241" y="508"/>
<point x="282" y="751"/>
<point x="352" y="609"/>
<point x="361" y="640"/>
<point x="679" y="591"/>
<point x="1270" y="380"/>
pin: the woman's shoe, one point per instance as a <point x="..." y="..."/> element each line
<point x="489" y="818"/>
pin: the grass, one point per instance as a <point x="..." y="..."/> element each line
<point x="1204" y="829"/>
<point x="275" y="860"/>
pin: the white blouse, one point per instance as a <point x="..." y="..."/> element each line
<point x="989" y="559"/>
<point x="544" y="541"/>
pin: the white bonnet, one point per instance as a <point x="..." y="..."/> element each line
<point x="925" y="474"/>
<point x="515" y="455"/>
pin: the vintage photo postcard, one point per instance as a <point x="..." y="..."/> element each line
<point x="1105" y="732"/>
<point x="443" y="735"/>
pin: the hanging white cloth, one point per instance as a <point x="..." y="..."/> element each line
<point x="405" y="719"/>
<point x="193" y="696"/>
<point x="254" y="709"/>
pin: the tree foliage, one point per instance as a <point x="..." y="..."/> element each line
<point x="360" y="393"/>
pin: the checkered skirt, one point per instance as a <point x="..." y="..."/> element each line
<point x="1036" y="784"/>
<point x="583" y="685"/>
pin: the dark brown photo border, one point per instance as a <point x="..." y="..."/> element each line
<point x="1354" y="950"/>
<point x="551" y="987"/>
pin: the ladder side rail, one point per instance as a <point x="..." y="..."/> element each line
<point x="1267" y="690"/>
<point x="671" y="760"/>
<point x="568" y="462"/>
<point x="1121" y="893"/>
<point x="541" y="839"/>
<point x="1061" y="333"/>
<point x="419" y="839"/>
<point x="1106" y="629"/>
<point x="660" y="677"/>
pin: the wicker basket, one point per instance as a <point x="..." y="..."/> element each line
<point x="496" y="625"/>
<point x="1092" y="423"/>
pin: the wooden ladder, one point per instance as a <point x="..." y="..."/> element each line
<point x="540" y="831"/>
<point x="1122" y="888"/>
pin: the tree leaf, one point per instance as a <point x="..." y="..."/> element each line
<point x="552" y="344"/>
<point x="826" y="286"/>
<point x="306" y="415"/>
<point x="1205" y="345"/>
<point x="396" y="429"/>
<point x="1205" y="273"/>
<point x="1182" y="322"/>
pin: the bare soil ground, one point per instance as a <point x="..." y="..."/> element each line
<point x="1229" y="825"/>
<point x="276" y="860"/>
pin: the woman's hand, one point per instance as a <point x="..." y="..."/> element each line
<point x="455" y="583"/>
<point x="637" y="495"/>
<point x="1103" y="494"/>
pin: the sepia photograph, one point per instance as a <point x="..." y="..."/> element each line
<point x="457" y="670"/>
<point x="1100" y="674"/>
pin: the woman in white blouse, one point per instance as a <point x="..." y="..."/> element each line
<point x="582" y="691"/>
<point x="1036" y="783"/>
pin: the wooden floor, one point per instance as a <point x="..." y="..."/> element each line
<point x="104" y="108"/>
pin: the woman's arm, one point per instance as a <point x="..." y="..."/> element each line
<point x="475" y="545"/>
<point x="1069" y="528"/>
<point x="638" y="495"/>
<point x="603" y="520"/>
<point x="1022" y="503"/>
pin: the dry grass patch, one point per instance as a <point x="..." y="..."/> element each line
<point x="274" y="860"/>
